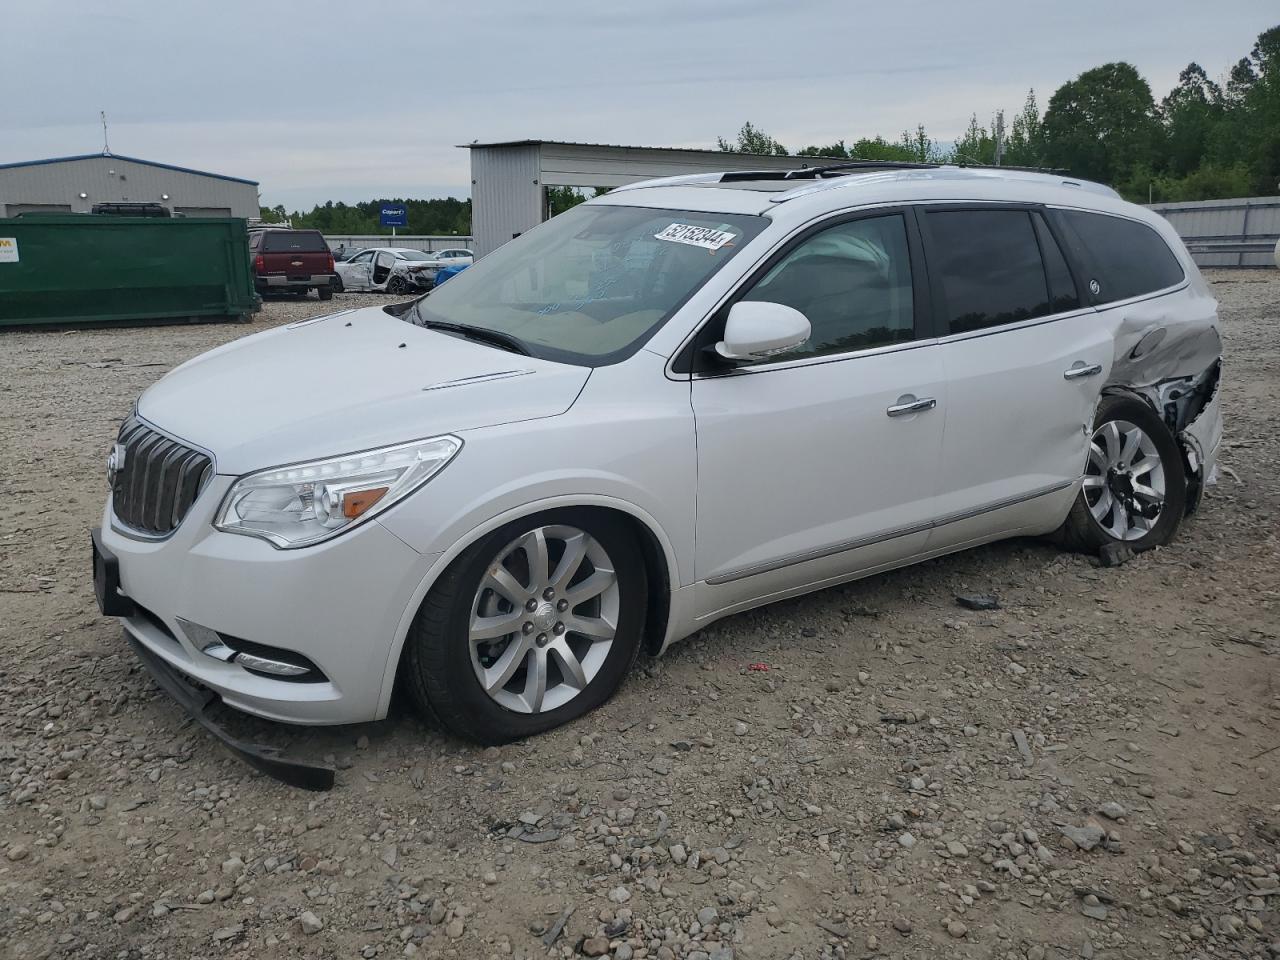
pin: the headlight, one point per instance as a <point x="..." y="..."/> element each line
<point x="305" y="503"/>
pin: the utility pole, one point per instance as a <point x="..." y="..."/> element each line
<point x="999" y="137"/>
<point x="106" y="147"/>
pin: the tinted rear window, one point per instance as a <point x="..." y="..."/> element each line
<point x="294" y="243"/>
<point x="988" y="263"/>
<point x="1127" y="258"/>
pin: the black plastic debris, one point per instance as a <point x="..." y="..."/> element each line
<point x="1114" y="555"/>
<point x="978" y="601"/>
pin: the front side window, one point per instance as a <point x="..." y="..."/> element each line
<point x="989" y="267"/>
<point x="853" y="283"/>
<point x="1128" y="258"/>
<point x="592" y="284"/>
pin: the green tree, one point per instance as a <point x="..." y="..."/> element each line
<point x="919" y="147"/>
<point x="976" y="146"/>
<point x="1190" y="113"/>
<point x="560" y="199"/>
<point x="1102" y="125"/>
<point x="1024" y="146"/>
<point x="752" y="139"/>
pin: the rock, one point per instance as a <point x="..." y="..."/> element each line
<point x="978" y="601"/>
<point x="1112" y="810"/>
<point x="708" y="916"/>
<point x="233" y="866"/>
<point x="957" y="929"/>
<point x="678" y="853"/>
<point x="902" y="925"/>
<point x="624" y="952"/>
<point x="619" y="894"/>
<point x="1094" y="910"/>
<point x="1085" y="838"/>
<point x="436" y="913"/>
<point x="595" y="946"/>
<point x="455" y="929"/>
<point x="17" y="852"/>
<point x="907" y="840"/>
<point x="957" y="849"/>
<point x="740" y="729"/>
<point x="97" y="802"/>
<point x="1146" y="790"/>
<point x="228" y="933"/>
<point x="310" y="923"/>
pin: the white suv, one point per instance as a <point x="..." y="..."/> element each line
<point x="675" y="402"/>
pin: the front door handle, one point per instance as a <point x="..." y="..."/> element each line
<point x="1079" y="370"/>
<point x="908" y="405"/>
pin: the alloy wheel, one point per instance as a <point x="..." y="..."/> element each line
<point x="1124" y="482"/>
<point x="543" y="619"/>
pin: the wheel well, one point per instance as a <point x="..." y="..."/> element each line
<point x="658" y="608"/>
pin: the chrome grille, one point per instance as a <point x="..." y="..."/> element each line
<point x="159" y="480"/>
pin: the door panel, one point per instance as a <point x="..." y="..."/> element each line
<point x="1015" y="425"/>
<point x="804" y="461"/>
<point x="1024" y="365"/>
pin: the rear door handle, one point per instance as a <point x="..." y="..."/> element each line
<point x="906" y="406"/>
<point x="1079" y="370"/>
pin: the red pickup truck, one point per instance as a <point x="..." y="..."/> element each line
<point x="291" y="261"/>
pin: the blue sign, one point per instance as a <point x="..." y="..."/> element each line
<point x="393" y="215"/>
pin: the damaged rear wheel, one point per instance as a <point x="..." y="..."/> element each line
<point x="1135" y="489"/>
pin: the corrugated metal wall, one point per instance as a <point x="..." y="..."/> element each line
<point x="109" y="179"/>
<point x="352" y="241"/>
<point x="1227" y="233"/>
<point x="506" y="197"/>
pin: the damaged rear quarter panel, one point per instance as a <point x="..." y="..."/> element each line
<point x="1168" y="351"/>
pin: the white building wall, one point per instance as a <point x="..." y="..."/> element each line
<point x="109" y="179"/>
<point x="506" y="195"/>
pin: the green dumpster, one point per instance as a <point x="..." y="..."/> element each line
<point x="82" y="268"/>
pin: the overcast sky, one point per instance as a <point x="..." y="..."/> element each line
<point x="368" y="98"/>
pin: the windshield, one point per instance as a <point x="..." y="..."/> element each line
<point x="591" y="285"/>
<point x="412" y="255"/>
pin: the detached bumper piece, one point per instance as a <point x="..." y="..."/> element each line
<point x="295" y="773"/>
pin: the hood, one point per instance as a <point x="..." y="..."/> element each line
<point x="348" y="382"/>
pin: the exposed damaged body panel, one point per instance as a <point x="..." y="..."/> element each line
<point x="1168" y="351"/>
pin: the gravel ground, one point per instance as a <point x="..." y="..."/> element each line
<point x="1089" y="771"/>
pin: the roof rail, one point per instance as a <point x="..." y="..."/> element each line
<point x="818" y="173"/>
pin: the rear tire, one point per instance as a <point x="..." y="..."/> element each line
<point x="324" y="293"/>
<point x="1135" y="488"/>
<point x="543" y="672"/>
<point x="397" y="287"/>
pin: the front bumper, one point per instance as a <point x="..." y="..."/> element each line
<point x="296" y="773"/>
<point x="339" y="604"/>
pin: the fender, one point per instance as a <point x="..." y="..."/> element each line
<point x="442" y="561"/>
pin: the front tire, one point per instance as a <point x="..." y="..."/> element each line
<point x="530" y="628"/>
<point x="1135" y="489"/>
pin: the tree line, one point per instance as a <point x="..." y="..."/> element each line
<point x="1206" y="140"/>
<point x="446" y="216"/>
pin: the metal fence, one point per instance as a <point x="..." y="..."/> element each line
<point x="1227" y="233"/>
<point x="411" y="242"/>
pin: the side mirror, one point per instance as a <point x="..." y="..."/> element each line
<point x="757" y="329"/>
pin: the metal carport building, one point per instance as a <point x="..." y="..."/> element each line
<point x="509" y="180"/>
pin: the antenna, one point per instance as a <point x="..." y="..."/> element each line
<point x="999" y="137"/>
<point x="106" y="148"/>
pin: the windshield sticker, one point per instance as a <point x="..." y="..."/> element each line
<point x="706" y="237"/>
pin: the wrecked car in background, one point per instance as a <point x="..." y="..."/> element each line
<point x="395" y="270"/>
<point x="672" y="403"/>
